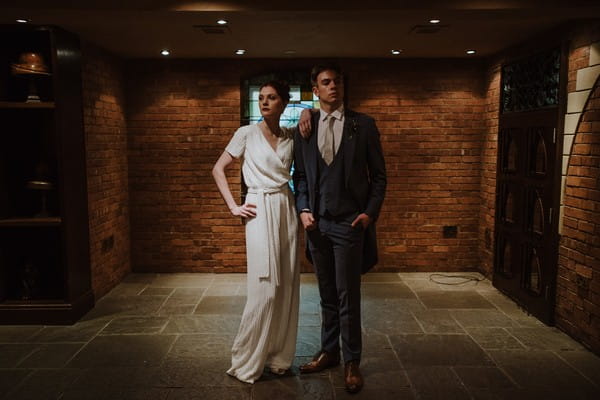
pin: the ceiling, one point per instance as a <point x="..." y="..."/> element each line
<point x="335" y="28"/>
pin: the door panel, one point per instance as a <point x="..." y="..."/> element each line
<point x="525" y="259"/>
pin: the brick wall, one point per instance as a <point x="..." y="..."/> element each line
<point x="578" y="284"/>
<point x="181" y="114"/>
<point x="489" y="154"/>
<point x="578" y="297"/>
<point x="430" y="115"/>
<point x="106" y="146"/>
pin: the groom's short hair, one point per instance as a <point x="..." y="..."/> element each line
<point x="317" y="69"/>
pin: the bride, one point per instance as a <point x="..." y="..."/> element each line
<point x="268" y="329"/>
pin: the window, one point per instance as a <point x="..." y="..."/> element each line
<point x="300" y="92"/>
<point x="291" y="114"/>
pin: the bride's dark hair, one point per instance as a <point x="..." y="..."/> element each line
<point x="281" y="87"/>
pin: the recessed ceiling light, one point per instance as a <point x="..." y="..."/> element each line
<point x="222" y="22"/>
<point x="471" y="52"/>
<point x="239" y="52"/>
<point x="22" y="20"/>
<point x="434" y="21"/>
<point x="165" y="52"/>
<point x="395" y="52"/>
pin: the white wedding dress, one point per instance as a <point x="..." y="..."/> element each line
<point x="269" y="325"/>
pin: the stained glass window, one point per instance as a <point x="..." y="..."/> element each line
<point x="507" y="259"/>
<point x="531" y="83"/>
<point x="538" y="215"/>
<point x="534" y="274"/>
<point x="511" y="156"/>
<point x="509" y="208"/>
<point x="300" y="92"/>
<point x="540" y="159"/>
<point x="291" y="114"/>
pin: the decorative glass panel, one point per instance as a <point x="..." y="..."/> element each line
<point x="290" y="115"/>
<point x="511" y="156"/>
<point x="534" y="279"/>
<point x="540" y="160"/>
<point x="538" y="214"/>
<point x="532" y="83"/>
<point x="301" y="96"/>
<point x="509" y="208"/>
<point x="507" y="258"/>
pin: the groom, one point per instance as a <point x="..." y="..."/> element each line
<point x="340" y="184"/>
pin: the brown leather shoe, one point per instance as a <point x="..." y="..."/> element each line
<point x="353" y="378"/>
<point x="322" y="360"/>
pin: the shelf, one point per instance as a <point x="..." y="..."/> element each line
<point x="46" y="221"/>
<point x="11" y="303"/>
<point x="45" y="312"/>
<point x="23" y="105"/>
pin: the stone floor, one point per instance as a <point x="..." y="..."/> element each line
<point x="161" y="336"/>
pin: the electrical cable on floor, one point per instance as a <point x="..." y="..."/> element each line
<point x="464" y="279"/>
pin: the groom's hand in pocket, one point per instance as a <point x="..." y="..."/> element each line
<point x="363" y="219"/>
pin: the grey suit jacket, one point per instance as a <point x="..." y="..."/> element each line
<point x="364" y="172"/>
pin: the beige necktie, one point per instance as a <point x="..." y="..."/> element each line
<point x="327" y="149"/>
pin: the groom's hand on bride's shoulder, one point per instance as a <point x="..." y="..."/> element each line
<point x="304" y="124"/>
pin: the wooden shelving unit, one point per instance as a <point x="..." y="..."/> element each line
<point x="44" y="235"/>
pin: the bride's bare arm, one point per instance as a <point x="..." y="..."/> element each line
<point x="218" y="172"/>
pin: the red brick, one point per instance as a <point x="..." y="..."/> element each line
<point x="106" y="145"/>
<point x="580" y="249"/>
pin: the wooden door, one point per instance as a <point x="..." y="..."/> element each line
<point x="525" y="267"/>
<point x="528" y="180"/>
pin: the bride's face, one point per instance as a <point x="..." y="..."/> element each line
<point x="271" y="104"/>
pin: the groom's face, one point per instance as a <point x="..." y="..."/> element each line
<point x="329" y="88"/>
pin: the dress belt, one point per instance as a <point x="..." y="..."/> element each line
<point x="269" y="257"/>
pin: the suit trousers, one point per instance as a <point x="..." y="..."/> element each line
<point x="337" y="250"/>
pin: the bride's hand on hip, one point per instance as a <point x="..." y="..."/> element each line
<point x="244" y="211"/>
